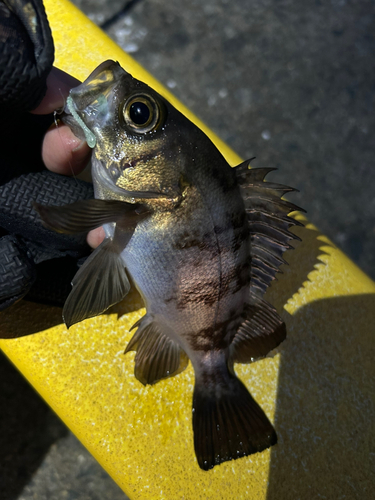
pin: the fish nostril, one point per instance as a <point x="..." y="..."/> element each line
<point x="114" y="172"/>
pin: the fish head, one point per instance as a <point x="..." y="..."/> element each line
<point x="133" y="131"/>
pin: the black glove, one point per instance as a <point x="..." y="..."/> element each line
<point x="35" y="262"/>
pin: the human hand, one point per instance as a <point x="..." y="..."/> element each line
<point x="62" y="151"/>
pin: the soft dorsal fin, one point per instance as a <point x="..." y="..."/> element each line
<point x="269" y="224"/>
<point x="261" y="331"/>
<point x="157" y="355"/>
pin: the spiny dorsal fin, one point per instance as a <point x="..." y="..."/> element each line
<point x="269" y="224"/>
<point x="258" y="175"/>
<point x="261" y="331"/>
<point x="157" y="355"/>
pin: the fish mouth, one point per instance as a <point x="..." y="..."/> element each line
<point x="101" y="80"/>
<point x="80" y="98"/>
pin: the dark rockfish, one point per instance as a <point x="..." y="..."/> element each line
<point x="201" y="240"/>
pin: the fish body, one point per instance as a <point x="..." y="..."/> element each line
<point x="200" y="240"/>
<point x="191" y="263"/>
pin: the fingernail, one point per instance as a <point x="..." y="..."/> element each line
<point x="80" y="145"/>
<point x="71" y="140"/>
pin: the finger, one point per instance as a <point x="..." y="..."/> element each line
<point x="95" y="237"/>
<point x="63" y="152"/>
<point x="59" y="84"/>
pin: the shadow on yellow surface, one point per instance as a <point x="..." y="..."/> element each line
<point x="26" y="318"/>
<point x="325" y="403"/>
<point x="301" y="261"/>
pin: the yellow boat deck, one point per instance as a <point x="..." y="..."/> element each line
<point x="319" y="389"/>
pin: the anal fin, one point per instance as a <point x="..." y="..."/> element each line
<point x="261" y="331"/>
<point x="158" y="356"/>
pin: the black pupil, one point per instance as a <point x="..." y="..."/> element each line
<point x="139" y="113"/>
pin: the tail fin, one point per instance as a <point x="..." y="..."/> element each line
<point x="227" y="422"/>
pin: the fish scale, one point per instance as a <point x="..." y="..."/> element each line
<point x="201" y="241"/>
<point x="193" y="293"/>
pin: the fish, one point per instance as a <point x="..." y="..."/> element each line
<point x="201" y="241"/>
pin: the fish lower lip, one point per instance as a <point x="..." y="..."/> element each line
<point x="67" y="119"/>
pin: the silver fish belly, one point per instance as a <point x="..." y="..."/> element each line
<point x="200" y="240"/>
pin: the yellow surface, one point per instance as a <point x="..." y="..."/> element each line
<point x="319" y="388"/>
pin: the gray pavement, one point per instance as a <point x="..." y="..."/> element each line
<point x="289" y="82"/>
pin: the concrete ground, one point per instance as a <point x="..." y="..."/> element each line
<point x="289" y="82"/>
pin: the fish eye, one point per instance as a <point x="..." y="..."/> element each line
<point x="141" y="113"/>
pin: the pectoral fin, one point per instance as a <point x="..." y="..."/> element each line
<point x="100" y="283"/>
<point x="85" y="215"/>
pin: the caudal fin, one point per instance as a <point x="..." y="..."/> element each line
<point x="228" y="423"/>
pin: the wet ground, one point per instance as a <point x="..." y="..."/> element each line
<point x="289" y="82"/>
